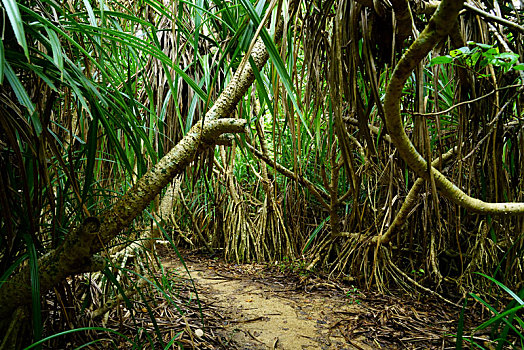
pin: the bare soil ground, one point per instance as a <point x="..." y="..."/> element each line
<point x="260" y="306"/>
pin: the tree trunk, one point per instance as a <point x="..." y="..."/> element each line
<point x="77" y="253"/>
<point x="437" y="29"/>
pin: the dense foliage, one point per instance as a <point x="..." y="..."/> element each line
<point x="93" y="94"/>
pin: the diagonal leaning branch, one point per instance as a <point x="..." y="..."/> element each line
<point x="437" y="29"/>
<point x="77" y="253"/>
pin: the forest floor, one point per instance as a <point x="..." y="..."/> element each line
<point x="277" y="306"/>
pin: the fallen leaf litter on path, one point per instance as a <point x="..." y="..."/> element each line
<point x="263" y="307"/>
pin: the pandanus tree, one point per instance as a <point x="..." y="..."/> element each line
<point x="350" y="125"/>
<point x="374" y="35"/>
<point x="439" y="26"/>
<point x="73" y="90"/>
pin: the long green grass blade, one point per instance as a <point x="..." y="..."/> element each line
<point x="172" y="341"/>
<point x="18" y="89"/>
<point x="92" y="143"/>
<point x="501" y="316"/>
<point x="497" y="317"/>
<point x="91" y="14"/>
<point x="503" y="287"/>
<point x="314" y="234"/>
<point x="277" y="61"/>
<point x="2" y="61"/>
<point x="35" y="288"/>
<point x="13" y="13"/>
<point x="40" y="342"/>
<point x="11" y="268"/>
<point x="58" y="56"/>
<point x="460" y="329"/>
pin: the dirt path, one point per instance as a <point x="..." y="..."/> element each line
<point x="271" y="315"/>
<point x="267" y="309"/>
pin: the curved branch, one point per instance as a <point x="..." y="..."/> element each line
<point x="319" y="193"/>
<point x="404" y="19"/>
<point x="438" y="27"/>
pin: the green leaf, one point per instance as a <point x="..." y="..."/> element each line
<point x="88" y="329"/>
<point x="440" y="60"/>
<point x="2" y="61"/>
<point x="314" y="234"/>
<point x="11" y="268"/>
<point x="11" y="7"/>
<point x="18" y="88"/>
<point x="277" y="61"/>
<point x="492" y="51"/>
<point x="35" y="287"/>
<point x="483" y="46"/>
<point x="91" y="154"/>
<point x="261" y="88"/>
<point x="500" y="316"/>
<point x="460" y="328"/>
<point x="509" y="56"/>
<point x="460" y="52"/>
<point x="518" y="66"/>
<point x="91" y="14"/>
<point x="473" y="58"/>
<point x="503" y="287"/>
<point x="172" y="341"/>
<point x="56" y="48"/>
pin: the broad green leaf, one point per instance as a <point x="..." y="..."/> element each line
<point x="460" y="52"/>
<point x="508" y="56"/>
<point x="483" y="46"/>
<point x="492" y="51"/>
<point x="473" y="58"/>
<point x="440" y="60"/>
<point x="508" y="59"/>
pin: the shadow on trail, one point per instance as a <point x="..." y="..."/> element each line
<point x="264" y="306"/>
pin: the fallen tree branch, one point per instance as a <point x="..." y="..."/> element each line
<point x="75" y="255"/>
<point x="72" y="257"/>
<point x="317" y="192"/>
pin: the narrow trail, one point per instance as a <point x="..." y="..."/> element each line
<point x="270" y="316"/>
<point x="265" y="309"/>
